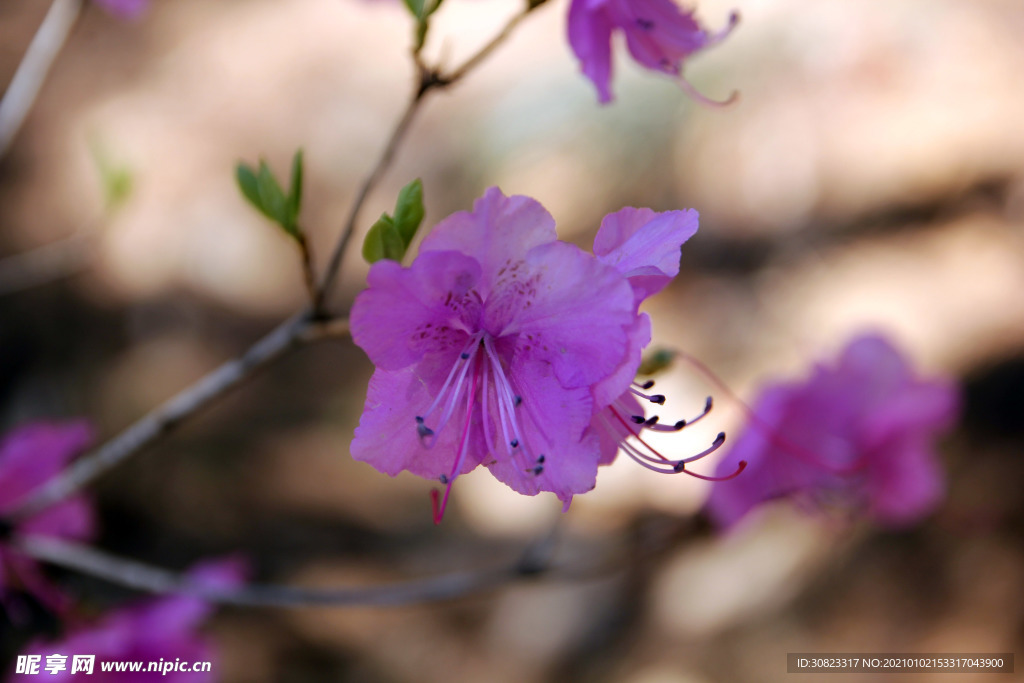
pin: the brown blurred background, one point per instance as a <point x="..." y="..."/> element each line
<point x="870" y="177"/>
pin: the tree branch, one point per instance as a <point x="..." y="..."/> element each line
<point x="137" y="575"/>
<point x="28" y="79"/>
<point x="164" y="419"/>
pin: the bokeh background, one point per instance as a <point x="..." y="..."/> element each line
<point x="870" y="178"/>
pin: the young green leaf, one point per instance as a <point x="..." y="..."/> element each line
<point x="415" y="7"/>
<point x="249" y="186"/>
<point x="295" y="189"/>
<point x="272" y="198"/>
<point x="409" y="211"/>
<point x="383" y="241"/>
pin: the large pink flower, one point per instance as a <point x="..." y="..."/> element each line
<point x="499" y="344"/>
<point x="660" y="36"/>
<point x="29" y="457"/>
<point x="858" y="434"/>
<point x="165" y="628"/>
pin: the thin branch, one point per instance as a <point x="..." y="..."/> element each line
<point x="164" y="419"/>
<point x="485" y="52"/>
<point x="45" y="264"/>
<point x="28" y="79"/>
<point x="308" y="272"/>
<point x="334" y="265"/>
<point x="137" y="575"/>
<point x="429" y="79"/>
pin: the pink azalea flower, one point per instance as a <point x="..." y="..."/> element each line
<point x="125" y="9"/>
<point x="659" y="36"/>
<point x="859" y="434"/>
<point x="499" y="344"/>
<point x="164" y="628"/>
<point x="29" y="457"/>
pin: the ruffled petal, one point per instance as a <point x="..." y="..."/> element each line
<point x="638" y="336"/>
<point x="552" y="421"/>
<point x="644" y="245"/>
<point x="386" y="437"/>
<point x="567" y="309"/>
<point x="497" y="233"/>
<point x="406" y="313"/>
<point x="590" y="36"/>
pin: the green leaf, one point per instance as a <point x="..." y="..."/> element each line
<point x="409" y="211"/>
<point x="383" y="241"/>
<point x="295" y="189"/>
<point x="249" y="186"/>
<point x="415" y="7"/>
<point x="272" y="198"/>
<point x="436" y="6"/>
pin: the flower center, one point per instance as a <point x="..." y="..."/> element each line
<point x="478" y="372"/>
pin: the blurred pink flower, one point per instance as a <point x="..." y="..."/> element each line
<point x="858" y="434"/>
<point x="29" y="457"/>
<point x="515" y="337"/>
<point x="126" y="9"/>
<point x="659" y="35"/>
<point x="164" y="628"/>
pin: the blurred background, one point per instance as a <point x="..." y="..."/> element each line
<point x="871" y="177"/>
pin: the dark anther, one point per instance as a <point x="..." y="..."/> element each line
<point x="645" y="24"/>
<point x="465" y="356"/>
<point x="6" y="529"/>
<point x="680" y="424"/>
<point x="651" y="421"/>
<point x="647" y="385"/>
<point x="719" y="440"/>
<point x="708" y="403"/>
<point x="658" y="398"/>
<point x="638" y="419"/>
<point x="679" y="466"/>
<point x="514" y="443"/>
<point x="537" y="470"/>
<point x="540" y="458"/>
<point x="517" y="400"/>
<point x="419" y="420"/>
<point x="424" y="431"/>
<point x="443" y="479"/>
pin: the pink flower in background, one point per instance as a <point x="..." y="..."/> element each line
<point x="126" y="9"/>
<point x="162" y="628"/>
<point x="29" y="457"/>
<point x="858" y="434"/>
<point x="659" y="35"/>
